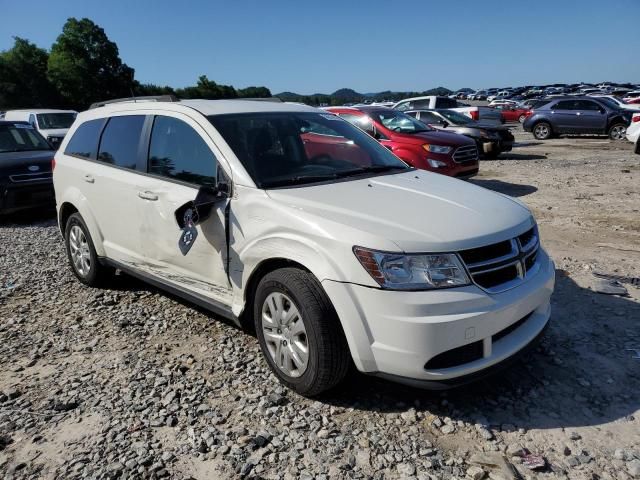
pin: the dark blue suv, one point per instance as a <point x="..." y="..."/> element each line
<point x="578" y="115"/>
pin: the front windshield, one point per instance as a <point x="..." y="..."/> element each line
<point x="21" y="137"/>
<point x="292" y="148"/>
<point x="49" y="121"/>
<point x="455" y="117"/>
<point x="399" y="122"/>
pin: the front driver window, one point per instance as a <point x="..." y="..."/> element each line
<point x="177" y="151"/>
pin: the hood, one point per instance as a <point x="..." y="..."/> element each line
<point x="417" y="211"/>
<point x="487" y="125"/>
<point x="437" y="137"/>
<point x="53" y="132"/>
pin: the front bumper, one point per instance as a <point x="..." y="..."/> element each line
<point x="22" y="196"/>
<point x="396" y="334"/>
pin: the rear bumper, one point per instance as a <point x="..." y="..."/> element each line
<point x="23" y="196"/>
<point x="424" y="338"/>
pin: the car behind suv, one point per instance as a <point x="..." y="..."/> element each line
<point x="51" y="124"/>
<point x="578" y="115"/>
<point x="416" y="143"/>
<point x="292" y="220"/>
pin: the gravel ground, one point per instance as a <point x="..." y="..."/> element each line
<point x="129" y="382"/>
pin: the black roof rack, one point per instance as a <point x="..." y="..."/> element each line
<point x="148" y="98"/>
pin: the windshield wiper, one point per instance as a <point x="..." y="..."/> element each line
<point x="371" y="169"/>
<point x="299" y="179"/>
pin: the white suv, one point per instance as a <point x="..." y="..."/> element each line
<point x="51" y="124"/>
<point x="292" y="220"/>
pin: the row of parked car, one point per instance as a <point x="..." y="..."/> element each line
<point x="629" y="92"/>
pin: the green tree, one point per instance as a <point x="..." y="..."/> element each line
<point x="254" y="92"/>
<point x="85" y="66"/>
<point x="23" y="77"/>
<point x="207" y="89"/>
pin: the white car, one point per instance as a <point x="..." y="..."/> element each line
<point x="633" y="130"/>
<point x="51" y="124"/>
<point x="617" y="101"/>
<point x="294" y="221"/>
<point x="431" y="102"/>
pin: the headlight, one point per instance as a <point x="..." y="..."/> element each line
<point x="436" y="148"/>
<point x="397" y="271"/>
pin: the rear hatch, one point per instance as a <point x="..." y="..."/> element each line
<point x="28" y="167"/>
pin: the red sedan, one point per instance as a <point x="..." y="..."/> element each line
<point x="511" y="113"/>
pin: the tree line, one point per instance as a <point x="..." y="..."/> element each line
<point x="83" y="66"/>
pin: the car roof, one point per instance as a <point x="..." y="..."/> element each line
<point x="205" y="107"/>
<point x="40" y="110"/>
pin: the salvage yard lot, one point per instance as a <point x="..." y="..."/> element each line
<point x="129" y="381"/>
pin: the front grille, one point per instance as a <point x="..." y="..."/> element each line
<point x="503" y="265"/>
<point x="30" y="177"/>
<point x="468" y="153"/>
<point x="456" y="356"/>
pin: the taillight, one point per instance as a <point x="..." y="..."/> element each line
<point x="636" y="117"/>
<point x="53" y="163"/>
<point x="528" y="113"/>
<point x="475" y="114"/>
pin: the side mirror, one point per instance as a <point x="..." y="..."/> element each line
<point x="198" y="210"/>
<point x="444" y="123"/>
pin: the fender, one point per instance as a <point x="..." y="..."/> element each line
<point x="74" y="196"/>
<point x="315" y="259"/>
<point x="280" y="246"/>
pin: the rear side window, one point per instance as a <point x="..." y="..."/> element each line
<point x="84" y="142"/>
<point x="177" y="151"/>
<point x="120" y="141"/>
<point x="446" y="103"/>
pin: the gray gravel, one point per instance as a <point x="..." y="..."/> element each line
<point x="128" y="382"/>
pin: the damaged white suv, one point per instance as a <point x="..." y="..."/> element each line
<point x="292" y="220"/>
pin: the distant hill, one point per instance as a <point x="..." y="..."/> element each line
<point x="348" y="95"/>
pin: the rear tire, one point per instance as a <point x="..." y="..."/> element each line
<point x="299" y="332"/>
<point x="82" y="255"/>
<point x="542" y="131"/>
<point x="617" y="131"/>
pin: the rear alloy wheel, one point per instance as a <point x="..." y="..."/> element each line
<point x="299" y="332"/>
<point x="542" y="131"/>
<point x="618" y="131"/>
<point x="82" y="254"/>
<point x="522" y="118"/>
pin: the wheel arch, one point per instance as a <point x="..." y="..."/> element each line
<point x="74" y="201"/>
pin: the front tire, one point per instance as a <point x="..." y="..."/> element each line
<point x="82" y="255"/>
<point x="617" y="131"/>
<point x="542" y="131"/>
<point x="299" y="332"/>
<point x="522" y="118"/>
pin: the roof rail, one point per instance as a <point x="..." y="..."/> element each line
<point x="148" y="98"/>
<point x="261" y="99"/>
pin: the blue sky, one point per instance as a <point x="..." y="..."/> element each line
<point x="370" y="46"/>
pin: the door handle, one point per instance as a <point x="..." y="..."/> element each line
<point x="148" y="195"/>
<point x="89" y="179"/>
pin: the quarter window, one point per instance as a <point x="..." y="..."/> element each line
<point x="84" y="142"/>
<point x="177" y="151"/>
<point x="120" y="141"/>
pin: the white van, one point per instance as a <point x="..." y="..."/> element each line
<point x="290" y="219"/>
<point x="51" y="124"/>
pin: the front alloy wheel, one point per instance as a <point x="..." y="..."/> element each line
<point x="542" y="131"/>
<point x="285" y="334"/>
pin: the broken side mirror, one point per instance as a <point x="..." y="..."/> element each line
<point x="198" y="210"/>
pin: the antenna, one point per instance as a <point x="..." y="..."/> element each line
<point x="133" y="95"/>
